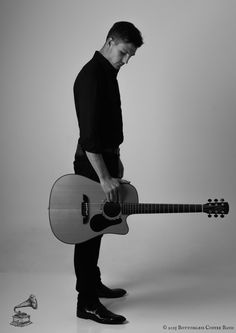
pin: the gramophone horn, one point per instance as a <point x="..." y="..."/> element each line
<point x="31" y="302"/>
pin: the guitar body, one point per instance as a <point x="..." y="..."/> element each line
<point x="77" y="210"/>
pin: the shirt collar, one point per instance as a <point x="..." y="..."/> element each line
<point x="105" y="63"/>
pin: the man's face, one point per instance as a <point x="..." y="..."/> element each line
<point x="120" y="52"/>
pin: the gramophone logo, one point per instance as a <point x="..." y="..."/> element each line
<point x="21" y="319"/>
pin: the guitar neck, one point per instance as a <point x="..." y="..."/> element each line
<point x="146" y="208"/>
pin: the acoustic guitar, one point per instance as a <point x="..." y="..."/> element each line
<point x="79" y="211"/>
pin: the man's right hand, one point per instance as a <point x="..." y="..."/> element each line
<point x="111" y="187"/>
<point x="109" y="184"/>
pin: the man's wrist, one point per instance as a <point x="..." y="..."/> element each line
<point x="104" y="179"/>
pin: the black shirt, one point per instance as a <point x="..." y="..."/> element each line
<point x="98" y="106"/>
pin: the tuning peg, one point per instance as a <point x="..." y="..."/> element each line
<point x="209" y="200"/>
<point x="216" y="200"/>
<point x="209" y="215"/>
<point x="216" y="215"/>
<point x="222" y="215"/>
<point x="222" y="200"/>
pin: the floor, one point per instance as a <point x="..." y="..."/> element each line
<point x="173" y="301"/>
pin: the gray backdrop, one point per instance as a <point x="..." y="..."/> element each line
<point x="178" y="100"/>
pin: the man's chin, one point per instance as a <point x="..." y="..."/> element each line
<point x="118" y="66"/>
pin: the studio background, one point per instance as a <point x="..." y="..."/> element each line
<point x="178" y="101"/>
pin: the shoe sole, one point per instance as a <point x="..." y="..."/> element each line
<point x="92" y="317"/>
<point x="105" y="296"/>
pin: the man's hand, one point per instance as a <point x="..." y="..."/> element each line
<point x="109" y="184"/>
<point x="111" y="187"/>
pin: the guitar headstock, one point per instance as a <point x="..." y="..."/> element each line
<point x="216" y="208"/>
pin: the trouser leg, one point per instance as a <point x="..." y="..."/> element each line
<point x="86" y="254"/>
<point x="86" y="269"/>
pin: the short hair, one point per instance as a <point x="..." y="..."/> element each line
<point x="127" y="32"/>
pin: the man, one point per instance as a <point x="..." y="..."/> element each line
<point x="98" y="108"/>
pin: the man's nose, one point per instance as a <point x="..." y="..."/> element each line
<point x="125" y="59"/>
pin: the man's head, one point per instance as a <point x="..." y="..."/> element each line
<point x="122" y="41"/>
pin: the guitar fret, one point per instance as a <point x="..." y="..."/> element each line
<point x="140" y="208"/>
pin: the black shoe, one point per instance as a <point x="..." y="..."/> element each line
<point x="100" y="314"/>
<point x="103" y="291"/>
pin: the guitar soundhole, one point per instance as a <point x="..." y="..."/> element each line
<point x="111" y="209"/>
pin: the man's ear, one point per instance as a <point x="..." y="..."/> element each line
<point x="110" y="41"/>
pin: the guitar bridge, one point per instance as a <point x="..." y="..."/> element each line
<point x="85" y="209"/>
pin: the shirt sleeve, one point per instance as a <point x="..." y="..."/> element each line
<point x="88" y="100"/>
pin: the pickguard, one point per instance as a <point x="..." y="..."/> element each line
<point x="99" y="222"/>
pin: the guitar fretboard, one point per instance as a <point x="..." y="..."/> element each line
<point x="145" y="208"/>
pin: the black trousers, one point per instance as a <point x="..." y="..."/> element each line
<point x="86" y="254"/>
